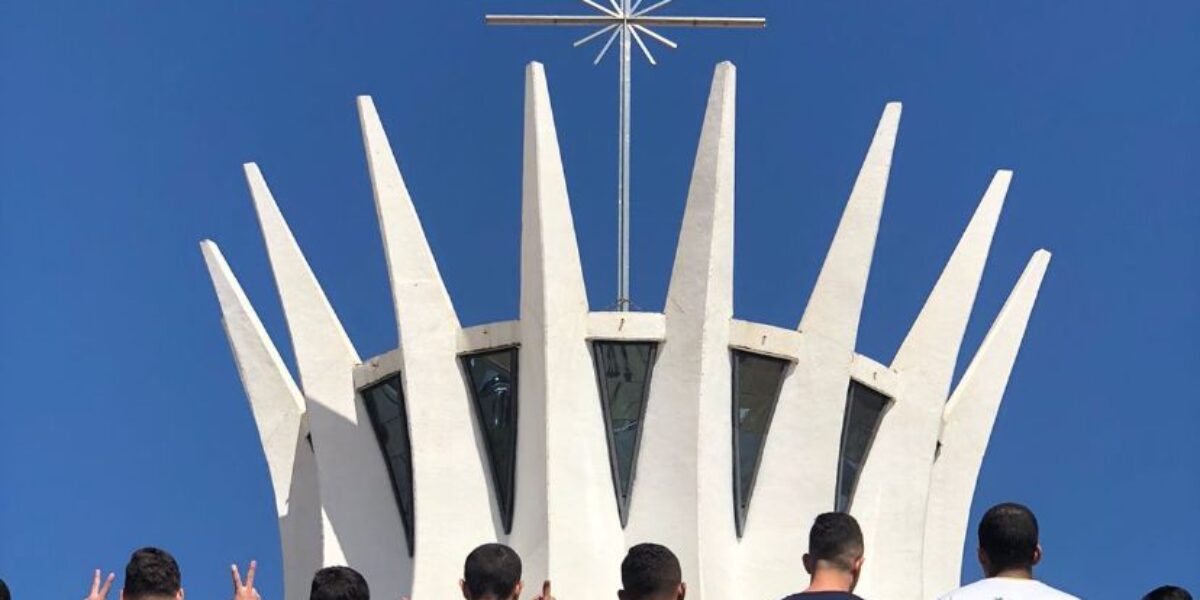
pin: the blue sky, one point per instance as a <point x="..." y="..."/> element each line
<point x="124" y="125"/>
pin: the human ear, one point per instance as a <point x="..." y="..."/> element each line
<point x="682" y="590"/>
<point x="179" y="594"/>
<point x="462" y="585"/>
<point x="808" y="563"/>
<point x="517" y="589"/>
<point x="1037" y="554"/>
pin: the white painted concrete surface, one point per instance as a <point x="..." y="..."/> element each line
<point x="336" y="505"/>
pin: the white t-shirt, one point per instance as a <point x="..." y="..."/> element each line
<point x="1006" y="588"/>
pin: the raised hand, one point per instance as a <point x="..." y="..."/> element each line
<point x="99" y="592"/>
<point x="244" y="591"/>
<point x="545" y="595"/>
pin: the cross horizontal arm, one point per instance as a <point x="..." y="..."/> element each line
<point x="716" y="22"/>
<point x="562" y="20"/>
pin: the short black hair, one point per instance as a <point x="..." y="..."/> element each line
<point x="836" y="539"/>
<point x="492" y="569"/>
<point x="151" y="572"/>
<point x="1168" y="592"/>
<point x="650" y="569"/>
<point x="4" y="595"/>
<point x="1008" y="536"/>
<point x="339" y="583"/>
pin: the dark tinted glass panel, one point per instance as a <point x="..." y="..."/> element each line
<point x="864" y="410"/>
<point x="389" y="417"/>
<point x="623" y="369"/>
<point x="493" y="380"/>
<point x="756" y="382"/>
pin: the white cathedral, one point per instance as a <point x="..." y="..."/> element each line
<point x="571" y="435"/>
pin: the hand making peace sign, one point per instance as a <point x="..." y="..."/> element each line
<point x="244" y="591"/>
<point x="100" y="591"/>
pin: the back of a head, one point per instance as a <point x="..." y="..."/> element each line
<point x="339" y="583"/>
<point x="152" y="574"/>
<point x="1168" y="592"/>
<point x="836" y="540"/>
<point x="1008" y="536"/>
<point x="4" y="595"/>
<point x="649" y="572"/>
<point x="491" y="571"/>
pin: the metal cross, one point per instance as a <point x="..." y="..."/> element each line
<point x="628" y="20"/>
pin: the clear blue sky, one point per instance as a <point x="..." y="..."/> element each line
<point x="123" y="126"/>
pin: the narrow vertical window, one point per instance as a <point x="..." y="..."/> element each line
<point x="623" y="371"/>
<point x="864" y="411"/>
<point x="493" y="379"/>
<point x="756" y="383"/>
<point x="385" y="406"/>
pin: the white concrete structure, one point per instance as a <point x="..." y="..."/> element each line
<point x="906" y="464"/>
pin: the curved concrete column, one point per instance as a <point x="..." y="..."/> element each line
<point x="368" y="535"/>
<point x="967" y="427"/>
<point x="452" y="509"/>
<point x="278" y="410"/>
<point x="683" y="496"/>
<point x="894" y="482"/>
<point x="564" y="483"/>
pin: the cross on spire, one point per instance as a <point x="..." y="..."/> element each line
<point x="627" y="20"/>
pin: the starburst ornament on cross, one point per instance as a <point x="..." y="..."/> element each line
<point x="627" y="20"/>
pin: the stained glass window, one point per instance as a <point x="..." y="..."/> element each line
<point x="756" y="382"/>
<point x="385" y="406"/>
<point x="623" y="370"/>
<point x="864" y="411"/>
<point x="493" y="379"/>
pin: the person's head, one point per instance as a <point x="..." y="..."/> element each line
<point x="1168" y="592"/>
<point x="339" y="583"/>
<point x="1008" y="540"/>
<point x="4" y="595"/>
<point x="651" y="572"/>
<point x="152" y="574"/>
<point x="492" y="572"/>
<point x="835" y="546"/>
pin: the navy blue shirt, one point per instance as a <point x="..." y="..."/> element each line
<point x="823" y="596"/>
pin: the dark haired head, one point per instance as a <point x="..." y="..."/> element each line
<point x="339" y="583"/>
<point x="1008" y="539"/>
<point x="152" y="574"/>
<point x="493" y="572"/>
<point x="835" y="540"/>
<point x="4" y="595"/>
<point x="650" y="572"/>
<point x="1168" y="592"/>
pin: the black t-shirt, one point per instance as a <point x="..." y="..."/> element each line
<point x="823" y="596"/>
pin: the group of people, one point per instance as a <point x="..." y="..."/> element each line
<point x="1008" y="552"/>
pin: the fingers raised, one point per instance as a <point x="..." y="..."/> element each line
<point x="96" y="582"/>
<point x="250" y="574"/>
<point x="237" y="578"/>
<point x="107" y="584"/>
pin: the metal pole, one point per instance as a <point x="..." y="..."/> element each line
<point x="623" y="167"/>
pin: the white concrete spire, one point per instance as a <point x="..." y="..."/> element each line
<point x="420" y="296"/>
<point x="349" y="464"/>
<point x="907" y="435"/>
<point x="563" y="459"/>
<point x="683" y="497"/>
<point x="836" y="302"/>
<point x="278" y="410"/>
<point x="968" y="420"/>
<point x="930" y="350"/>
<point x="437" y="399"/>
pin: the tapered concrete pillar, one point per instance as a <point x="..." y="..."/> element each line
<point x="563" y="464"/>
<point x="682" y="497"/>
<point x="370" y="536"/>
<point x="278" y="410"/>
<point x="967" y="427"/>
<point x="903" y="450"/>
<point x="446" y="457"/>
